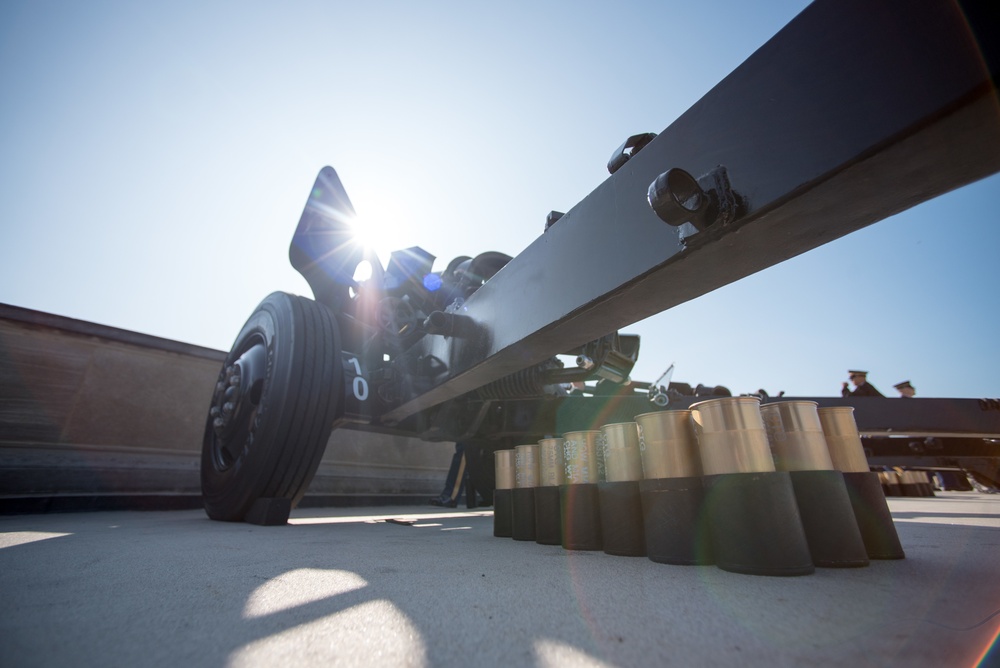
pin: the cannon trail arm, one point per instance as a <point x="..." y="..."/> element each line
<point x="855" y="111"/>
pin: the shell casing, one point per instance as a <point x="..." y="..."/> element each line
<point x="551" y="470"/>
<point x="580" y="460"/>
<point x="667" y="445"/>
<point x="505" y="470"/>
<point x="727" y="414"/>
<point x="842" y="439"/>
<point x="622" y="460"/>
<point x="526" y="466"/>
<point x="731" y="436"/>
<point x="796" y="436"/>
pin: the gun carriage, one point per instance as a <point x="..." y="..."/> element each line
<point x="853" y="112"/>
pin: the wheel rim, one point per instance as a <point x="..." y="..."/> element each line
<point x="235" y="400"/>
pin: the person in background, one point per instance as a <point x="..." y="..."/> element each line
<point x="906" y="391"/>
<point x="862" y="388"/>
<point x="456" y="481"/>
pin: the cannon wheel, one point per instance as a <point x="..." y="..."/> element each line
<point x="273" y="408"/>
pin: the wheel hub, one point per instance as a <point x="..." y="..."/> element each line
<point x="234" y="403"/>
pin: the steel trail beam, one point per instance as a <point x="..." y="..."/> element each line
<point x="855" y="111"/>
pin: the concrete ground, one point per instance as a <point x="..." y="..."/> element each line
<point x="347" y="587"/>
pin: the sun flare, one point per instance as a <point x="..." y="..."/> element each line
<point x="381" y="230"/>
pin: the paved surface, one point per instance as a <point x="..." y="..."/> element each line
<point x="345" y="587"/>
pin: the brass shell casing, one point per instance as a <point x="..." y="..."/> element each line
<point x="796" y="436"/>
<point x="505" y="471"/>
<point x="551" y="470"/>
<point x="731" y="436"/>
<point x="580" y="458"/>
<point x="842" y="439"/>
<point x="667" y="445"/>
<point x="622" y="460"/>
<point x="526" y="474"/>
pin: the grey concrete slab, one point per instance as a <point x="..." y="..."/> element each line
<point x="345" y="587"/>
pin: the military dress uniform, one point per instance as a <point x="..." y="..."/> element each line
<point x="865" y="389"/>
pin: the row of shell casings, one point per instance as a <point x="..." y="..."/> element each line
<point x="731" y="435"/>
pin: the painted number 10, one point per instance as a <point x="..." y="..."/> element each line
<point x="360" y="385"/>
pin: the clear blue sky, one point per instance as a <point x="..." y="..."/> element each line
<point x="155" y="157"/>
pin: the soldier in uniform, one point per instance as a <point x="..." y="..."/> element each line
<point x="906" y="391"/>
<point x="862" y="388"/>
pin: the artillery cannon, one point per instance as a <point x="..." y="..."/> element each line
<point x="853" y="112"/>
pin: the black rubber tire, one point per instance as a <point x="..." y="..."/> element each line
<point x="275" y="449"/>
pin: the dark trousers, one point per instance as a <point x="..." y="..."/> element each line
<point x="458" y="474"/>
